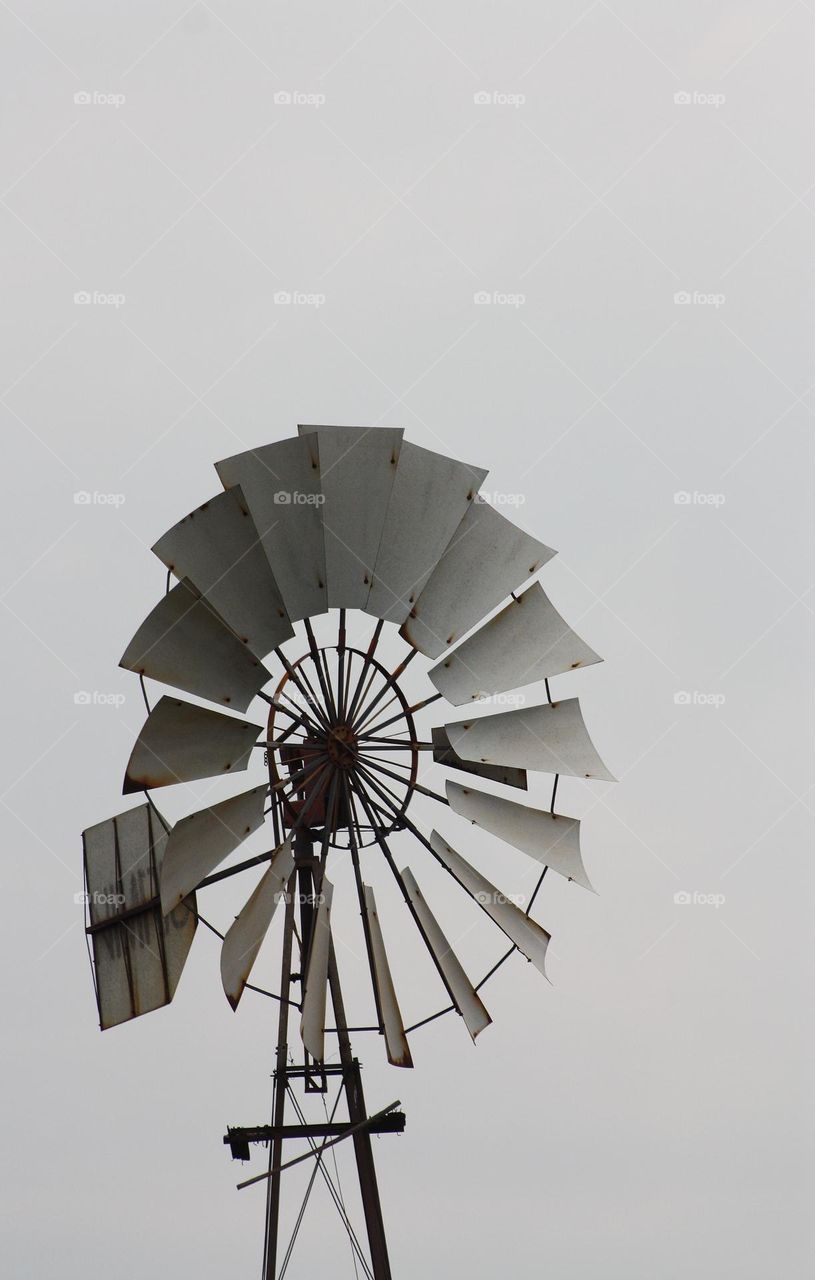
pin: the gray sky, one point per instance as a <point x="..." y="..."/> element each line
<point x="648" y="262"/>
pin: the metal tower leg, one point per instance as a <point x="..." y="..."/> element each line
<point x="362" y="1140"/>
<point x="276" y="1146"/>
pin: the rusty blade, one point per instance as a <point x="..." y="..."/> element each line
<point x="430" y="496"/>
<point x="200" y="841"/>
<point x="487" y="558"/>
<point x="245" y="937"/>
<point x="280" y="483"/>
<point x="392" y="1024"/>
<point x="180" y="742"/>
<point x="552" y="739"/>
<point x="466" y="998"/>
<point x="444" y="754"/>
<point x="357" y="469"/>
<point x="138" y="954"/>
<point x="218" y="549"/>
<point x="183" y="642"/>
<point x="312" y="1022"/>
<point x="551" y="838"/>
<point x="526" y="642"/>
<point x="530" y="939"/>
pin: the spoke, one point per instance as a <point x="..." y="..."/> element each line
<point x="392" y="678"/>
<point x="418" y="706"/>
<point x="308" y="694"/>
<point x="417" y="786"/>
<point x="316" y="659"/>
<point x="366" y="664"/>
<point x="341" y="666"/>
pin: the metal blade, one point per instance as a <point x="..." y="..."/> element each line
<point x="245" y="936"/>
<point x="466" y="999"/>
<point x="200" y="841"/>
<point x="430" y="496"/>
<point x="357" y="469"/>
<point x="138" y="954"/>
<point x="552" y="839"/>
<point x="180" y="742"/>
<point x="312" y="1022"/>
<point x="444" y="754"/>
<point x="487" y="558"/>
<point x="552" y="739"/>
<point x="393" y="1026"/>
<point x="281" y="486"/>
<point x="218" y="549"/>
<point x="526" y="642"/>
<point x="184" y="643"/>
<point x="530" y="939"/>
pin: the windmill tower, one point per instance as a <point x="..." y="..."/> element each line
<point x="334" y="519"/>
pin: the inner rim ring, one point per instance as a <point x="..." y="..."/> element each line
<point x="343" y="744"/>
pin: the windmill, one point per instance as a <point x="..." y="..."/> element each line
<point x="334" y="519"/>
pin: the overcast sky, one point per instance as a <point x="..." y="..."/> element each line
<point x="629" y="185"/>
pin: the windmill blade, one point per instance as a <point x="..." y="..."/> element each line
<point x="180" y="742"/>
<point x="430" y="496"/>
<point x="357" y="469"/>
<point x="465" y="997"/>
<point x="138" y="954"/>
<point x="218" y="549"/>
<point x="312" y="1022"/>
<point x="528" y="936"/>
<point x="444" y="754"/>
<point x="200" y="841"/>
<point x="551" y="739"/>
<point x="393" y="1026"/>
<point x="281" y="487"/>
<point x="245" y="937"/>
<point x="551" y="838"/>
<point x="526" y="642"/>
<point x="183" y="642"/>
<point x="487" y="558"/>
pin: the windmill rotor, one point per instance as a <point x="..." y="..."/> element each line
<point x="334" y="520"/>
